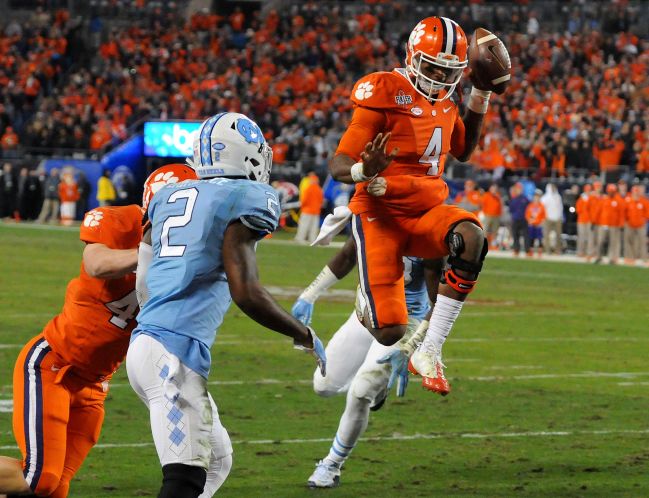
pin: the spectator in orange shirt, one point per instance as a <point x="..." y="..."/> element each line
<point x="470" y="199"/>
<point x="69" y="195"/>
<point x="492" y="208"/>
<point x="311" y="200"/>
<point x="535" y="215"/>
<point x="611" y="223"/>
<point x="583" y="221"/>
<point x="9" y="139"/>
<point x="636" y="215"/>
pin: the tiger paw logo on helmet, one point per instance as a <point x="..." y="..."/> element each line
<point x="93" y="218"/>
<point x="364" y="90"/>
<point x="417" y="34"/>
<point x="161" y="179"/>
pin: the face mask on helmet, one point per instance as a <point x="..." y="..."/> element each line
<point x="232" y="145"/>
<point x="436" y="57"/>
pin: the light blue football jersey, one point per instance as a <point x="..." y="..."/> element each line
<point x="416" y="294"/>
<point x="188" y="288"/>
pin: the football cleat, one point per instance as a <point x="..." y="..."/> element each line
<point x="428" y="364"/>
<point x="325" y="475"/>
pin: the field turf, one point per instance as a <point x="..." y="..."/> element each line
<point x="548" y="366"/>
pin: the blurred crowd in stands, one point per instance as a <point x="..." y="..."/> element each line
<point x="578" y="104"/>
<point x="578" y="99"/>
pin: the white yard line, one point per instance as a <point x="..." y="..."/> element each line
<point x="407" y="437"/>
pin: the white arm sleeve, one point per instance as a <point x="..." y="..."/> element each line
<point x="144" y="258"/>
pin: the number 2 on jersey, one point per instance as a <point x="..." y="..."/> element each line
<point x="432" y="152"/>
<point x="166" y="249"/>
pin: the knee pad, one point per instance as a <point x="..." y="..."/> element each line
<point x="370" y="385"/>
<point x="455" y="262"/>
<point x="178" y="480"/>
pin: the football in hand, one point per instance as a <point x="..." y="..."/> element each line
<point x="489" y="62"/>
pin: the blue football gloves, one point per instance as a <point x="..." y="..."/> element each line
<point x="318" y="351"/>
<point x="303" y="311"/>
<point x="398" y="360"/>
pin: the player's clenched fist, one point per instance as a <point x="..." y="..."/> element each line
<point x="375" y="157"/>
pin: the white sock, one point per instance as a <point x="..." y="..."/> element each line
<point x="216" y="474"/>
<point x="351" y="427"/>
<point x="445" y="312"/>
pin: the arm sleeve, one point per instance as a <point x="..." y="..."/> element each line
<point x="366" y="123"/>
<point x="144" y="258"/>
<point x="458" y="138"/>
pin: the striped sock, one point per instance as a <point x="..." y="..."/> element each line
<point x="338" y="452"/>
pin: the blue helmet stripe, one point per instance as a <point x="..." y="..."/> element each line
<point x="206" y="139"/>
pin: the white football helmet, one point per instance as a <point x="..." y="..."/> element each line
<point x="231" y="144"/>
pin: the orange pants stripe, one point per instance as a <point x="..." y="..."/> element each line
<point x="57" y="418"/>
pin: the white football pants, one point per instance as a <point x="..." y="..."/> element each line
<point x="184" y="418"/>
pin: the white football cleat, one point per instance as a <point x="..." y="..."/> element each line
<point x="325" y="475"/>
<point x="427" y="362"/>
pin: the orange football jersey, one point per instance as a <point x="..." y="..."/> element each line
<point x="93" y="330"/>
<point x="425" y="133"/>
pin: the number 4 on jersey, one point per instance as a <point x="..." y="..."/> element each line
<point x="432" y="152"/>
<point x="123" y="310"/>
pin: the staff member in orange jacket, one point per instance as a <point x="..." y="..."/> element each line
<point x="611" y="223"/>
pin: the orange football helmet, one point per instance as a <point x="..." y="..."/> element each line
<point x="436" y="55"/>
<point x="170" y="173"/>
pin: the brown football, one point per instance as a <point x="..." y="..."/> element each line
<point x="489" y="62"/>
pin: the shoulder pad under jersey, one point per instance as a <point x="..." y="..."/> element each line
<point x="383" y="90"/>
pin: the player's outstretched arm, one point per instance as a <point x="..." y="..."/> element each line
<point x="374" y="159"/>
<point x="100" y="261"/>
<point x="338" y="267"/>
<point x="254" y="300"/>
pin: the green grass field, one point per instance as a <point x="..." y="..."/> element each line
<point x="548" y="365"/>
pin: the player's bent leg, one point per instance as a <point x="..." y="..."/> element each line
<point x="40" y="416"/>
<point x="346" y="352"/>
<point x="84" y="428"/>
<point x="180" y="413"/>
<point x="368" y="385"/>
<point x="221" y="457"/>
<point x="467" y="246"/>
<point x="182" y="480"/>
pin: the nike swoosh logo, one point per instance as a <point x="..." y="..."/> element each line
<point x="447" y="109"/>
<point x="371" y="219"/>
<point x="55" y="369"/>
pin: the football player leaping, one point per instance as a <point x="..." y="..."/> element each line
<point x="399" y="205"/>
<point x="62" y="375"/>
<point x="204" y="235"/>
<point x="359" y="365"/>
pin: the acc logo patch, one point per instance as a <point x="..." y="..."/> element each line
<point x="364" y="90"/>
<point x="403" y="98"/>
<point x="417" y="111"/>
<point x="92" y="218"/>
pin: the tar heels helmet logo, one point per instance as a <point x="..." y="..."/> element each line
<point x="231" y="144"/>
